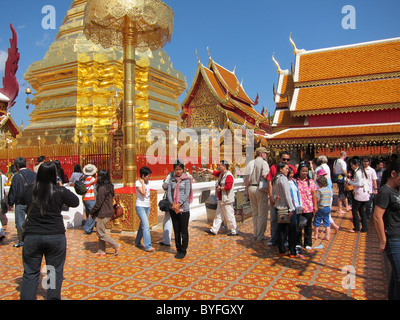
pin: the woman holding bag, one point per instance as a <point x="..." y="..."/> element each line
<point x="180" y="195"/>
<point x="308" y="195"/>
<point x="103" y="211"/>
<point x="361" y="196"/>
<point x="283" y="202"/>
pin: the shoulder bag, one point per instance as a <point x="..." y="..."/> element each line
<point x="118" y="209"/>
<point x="283" y="215"/>
<point x="164" y="204"/>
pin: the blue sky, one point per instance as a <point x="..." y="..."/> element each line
<point x="244" y="34"/>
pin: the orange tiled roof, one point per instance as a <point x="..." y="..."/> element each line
<point x="347" y="97"/>
<point x="357" y="60"/>
<point x="283" y="93"/>
<point x="230" y="81"/>
<point x="214" y="85"/>
<point x="284" y="118"/>
<point x="339" y="131"/>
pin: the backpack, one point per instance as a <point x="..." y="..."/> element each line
<point x="79" y="186"/>
<point x="26" y="196"/>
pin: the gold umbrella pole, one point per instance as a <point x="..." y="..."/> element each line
<point x="129" y="123"/>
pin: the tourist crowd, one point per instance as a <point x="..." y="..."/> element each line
<point x="295" y="198"/>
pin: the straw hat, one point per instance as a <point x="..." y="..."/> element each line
<point x="89" y="170"/>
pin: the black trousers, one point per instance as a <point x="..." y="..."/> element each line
<point x="288" y="231"/>
<point x="359" y="211"/>
<point x="180" y="223"/>
<point x="307" y="231"/>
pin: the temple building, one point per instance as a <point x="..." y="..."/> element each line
<point x="216" y="99"/>
<point x="338" y="98"/>
<point x="78" y="88"/>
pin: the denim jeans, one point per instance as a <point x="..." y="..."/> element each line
<point x="369" y="206"/>
<point x="144" y="228"/>
<point x="20" y="214"/>
<point x="54" y="249"/>
<point x="393" y="253"/>
<point x="90" y="221"/>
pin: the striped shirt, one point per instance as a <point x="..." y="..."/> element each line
<point x="90" y="182"/>
<point x="324" y="197"/>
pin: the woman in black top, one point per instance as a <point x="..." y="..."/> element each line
<point x="387" y="224"/>
<point x="45" y="233"/>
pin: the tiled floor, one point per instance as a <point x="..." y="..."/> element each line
<point x="216" y="267"/>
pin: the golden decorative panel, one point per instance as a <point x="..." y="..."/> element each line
<point x="130" y="221"/>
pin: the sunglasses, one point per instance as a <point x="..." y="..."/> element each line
<point x="285" y="159"/>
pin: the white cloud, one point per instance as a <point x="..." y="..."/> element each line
<point x="3" y="59"/>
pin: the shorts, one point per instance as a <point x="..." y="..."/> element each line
<point x="322" y="216"/>
<point x="341" y="194"/>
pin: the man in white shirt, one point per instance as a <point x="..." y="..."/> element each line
<point x="372" y="185"/>
<point x="340" y="167"/>
<point x="255" y="171"/>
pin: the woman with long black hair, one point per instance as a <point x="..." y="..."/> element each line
<point x="45" y="233"/>
<point x="283" y="201"/>
<point x="361" y="195"/>
<point x="103" y="211"/>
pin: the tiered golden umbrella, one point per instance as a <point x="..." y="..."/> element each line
<point x="129" y="25"/>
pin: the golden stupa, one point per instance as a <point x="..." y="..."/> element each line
<point x="79" y="87"/>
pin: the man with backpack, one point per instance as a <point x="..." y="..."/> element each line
<point x="20" y="181"/>
<point x="89" y="199"/>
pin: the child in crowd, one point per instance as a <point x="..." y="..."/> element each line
<point x="324" y="197"/>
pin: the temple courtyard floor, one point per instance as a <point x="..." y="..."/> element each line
<point x="347" y="267"/>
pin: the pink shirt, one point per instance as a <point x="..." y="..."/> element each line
<point x="305" y="194"/>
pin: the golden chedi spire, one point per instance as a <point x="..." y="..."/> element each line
<point x="76" y="83"/>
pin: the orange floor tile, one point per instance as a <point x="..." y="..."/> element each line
<point x="215" y="268"/>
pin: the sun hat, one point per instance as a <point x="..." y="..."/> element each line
<point x="89" y="170"/>
<point x="321" y="172"/>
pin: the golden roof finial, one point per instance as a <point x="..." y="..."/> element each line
<point x="208" y="50"/>
<point x="276" y="63"/>
<point x="295" y="50"/>
<point x="293" y="44"/>
<point x="197" y="56"/>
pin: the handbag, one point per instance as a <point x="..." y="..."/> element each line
<point x="118" y="209"/>
<point x="338" y="178"/>
<point x="164" y="204"/>
<point x="263" y="185"/>
<point x="302" y="221"/>
<point x="283" y="215"/>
